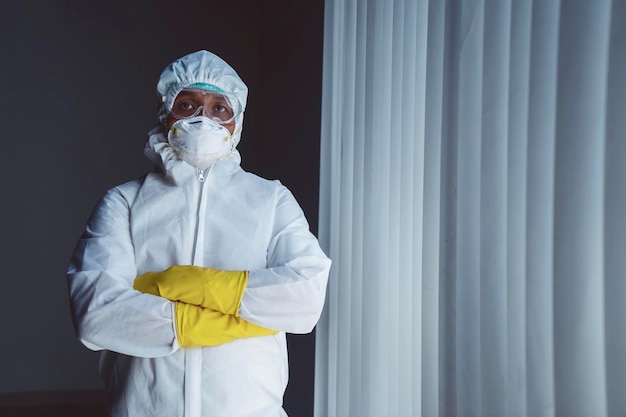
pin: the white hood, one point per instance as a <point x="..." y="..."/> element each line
<point x="201" y="67"/>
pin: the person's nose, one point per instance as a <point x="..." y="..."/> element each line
<point x="204" y="112"/>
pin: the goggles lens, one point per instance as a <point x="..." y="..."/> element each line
<point x="217" y="107"/>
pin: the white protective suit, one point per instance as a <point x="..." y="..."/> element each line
<point x="223" y="218"/>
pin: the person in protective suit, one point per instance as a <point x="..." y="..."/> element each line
<point x="188" y="278"/>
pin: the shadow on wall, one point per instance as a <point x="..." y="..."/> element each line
<point x="81" y="100"/>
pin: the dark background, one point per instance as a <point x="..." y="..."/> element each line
<point x="78" y="83"/>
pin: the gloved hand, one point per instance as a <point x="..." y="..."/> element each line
<point x="198" y="326"/>
<point x="207" y="287"/>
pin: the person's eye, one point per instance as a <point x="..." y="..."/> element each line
<point x="220" y="109"/>
<point x="185" y="105"/>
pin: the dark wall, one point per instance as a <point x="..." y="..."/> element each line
<point x="79" y="85"/>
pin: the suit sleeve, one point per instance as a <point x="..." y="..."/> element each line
<point x="289" y="294"/>
<point x="107" y="312"/>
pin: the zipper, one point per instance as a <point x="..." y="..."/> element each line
<point x="201" y="177"/>
<point x="193" y="356"/>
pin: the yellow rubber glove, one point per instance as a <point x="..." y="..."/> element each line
<point x="198" y="326"/>
<point x="207" y="287"/>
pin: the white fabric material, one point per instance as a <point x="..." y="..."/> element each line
<point x="232" y="220"/>
<point x="245" y="223"/>
<point x="472" y="198"/>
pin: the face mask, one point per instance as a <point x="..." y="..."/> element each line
<point x="199" y="141"/>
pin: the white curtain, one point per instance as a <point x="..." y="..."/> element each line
<point x="473" y="200"/>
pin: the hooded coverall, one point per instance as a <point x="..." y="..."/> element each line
<point x="222" y="217"/>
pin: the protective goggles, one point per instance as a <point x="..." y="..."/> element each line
<point x="192" y="102"/>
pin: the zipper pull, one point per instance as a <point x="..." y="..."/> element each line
<point x="201" y="176"/>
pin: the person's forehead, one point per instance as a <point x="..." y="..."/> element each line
<point x="200" y="94"/>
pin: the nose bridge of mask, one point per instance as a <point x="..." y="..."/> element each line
<point x="201" y="125"/>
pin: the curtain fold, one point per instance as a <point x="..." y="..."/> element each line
<point x="472" y="199"/>
<point x="614" y="225"/>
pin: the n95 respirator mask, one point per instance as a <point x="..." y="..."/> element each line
<point x="199" y="141"/>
